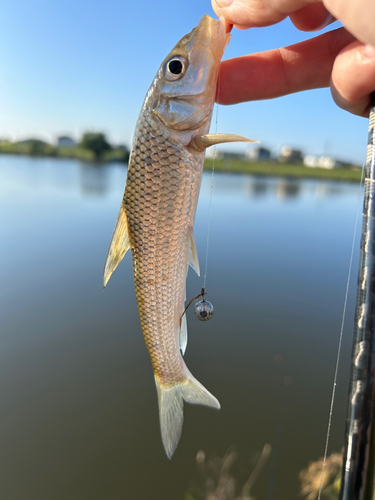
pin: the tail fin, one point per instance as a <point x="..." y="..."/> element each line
<point x="171" y="414"/>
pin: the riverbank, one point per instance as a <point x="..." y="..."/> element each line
<point x="283" y="170"/>
<point x="225" y="166"/>
<point x="40" y="149"/>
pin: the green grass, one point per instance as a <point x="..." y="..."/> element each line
<point x="78" y="153"/>
<point x="51" y="151"/>
<point x="283" y="170"/>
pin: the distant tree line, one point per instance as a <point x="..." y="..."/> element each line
<point x="93" y="146"/>
<point x="95" y="142"/>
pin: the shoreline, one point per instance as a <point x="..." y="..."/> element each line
<point x="297" y="171"/>
<point x="268" y="169"/>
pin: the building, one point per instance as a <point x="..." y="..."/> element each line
<point x="289" y="155"/>
<point x="329" y="162"/>
<point x="324" y="162"/>
<point x="66" y="142"/>
<point x="311" y="161"/>
<point x="258" y="154"/>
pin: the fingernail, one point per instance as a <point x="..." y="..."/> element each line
<point x="369" y="51"/>
<point x="224" y="3"/>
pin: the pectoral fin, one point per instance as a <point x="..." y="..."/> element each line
<point x="201" y="142"/>
<point x="193" y="254"/>
<point x="120" y="244"/>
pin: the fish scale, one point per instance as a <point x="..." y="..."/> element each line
<point x="158" y="244"/>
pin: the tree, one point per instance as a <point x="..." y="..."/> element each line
<point x="37" y="148"/>
<point x="95" y="142"/>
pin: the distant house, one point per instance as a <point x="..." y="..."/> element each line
<point x="324" y="162"/>
<point x="66" y="142"/>
<point x="289" y="155"/>
<point x="329" y="162"/>
<point x="258" y="154"/>
<point x="311" y="161"/>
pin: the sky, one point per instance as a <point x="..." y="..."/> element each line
<point x="69" y="67"/>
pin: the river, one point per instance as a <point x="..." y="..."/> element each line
<point x="78" y="406"/>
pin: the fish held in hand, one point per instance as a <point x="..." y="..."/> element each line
<point x="157" y="213"/>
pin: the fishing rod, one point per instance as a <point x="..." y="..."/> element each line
<point x="358" y="471"/>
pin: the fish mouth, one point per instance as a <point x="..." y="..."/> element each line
<point x="209" y="32"/>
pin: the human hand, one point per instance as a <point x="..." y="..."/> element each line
<point x="343" y="60"/>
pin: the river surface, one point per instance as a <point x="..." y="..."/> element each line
<point x="78" y="406"/>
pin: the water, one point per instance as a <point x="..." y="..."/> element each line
<point x="78" y="407"/>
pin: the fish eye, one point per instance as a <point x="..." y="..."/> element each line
<point x="175" y="67"/>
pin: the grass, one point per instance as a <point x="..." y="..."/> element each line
<point x="283" y="170"/>
<point x="52" y="151"/>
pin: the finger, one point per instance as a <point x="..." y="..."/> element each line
<point x="313" y="17"/>
<point x="357" y="15"/>
<point x="228" y="27"/>
<point x="353" y="78"/>
<point x="256" y="13"/>
<point x="303" y="66"/>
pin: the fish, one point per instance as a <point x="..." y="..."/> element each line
<point x="158" y="209"/>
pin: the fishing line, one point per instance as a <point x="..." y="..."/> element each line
<point x="212" y="188"/>
<point x="209" y="210"/>
<point x="340" y="338"/>
<point x="203" y="309"/>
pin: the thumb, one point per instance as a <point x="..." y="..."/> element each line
<point x="353" y="78"/>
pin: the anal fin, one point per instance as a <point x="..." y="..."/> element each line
<point x="120" y="244"/>
<point x="183" y="334"/>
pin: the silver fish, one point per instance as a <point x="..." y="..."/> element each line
<point x="158" y="210"/>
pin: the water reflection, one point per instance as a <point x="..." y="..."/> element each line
<point x="324" y="189"/>
<point x="78" y="404"/>
<point x="287" y="189"/>
<point x="282" y="189"/>
<point x="94" y="179"/>
<point x="98" y="179"/>
<point x="257" y="187"/>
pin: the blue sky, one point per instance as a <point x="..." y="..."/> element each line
<point x="68" y="67"/>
